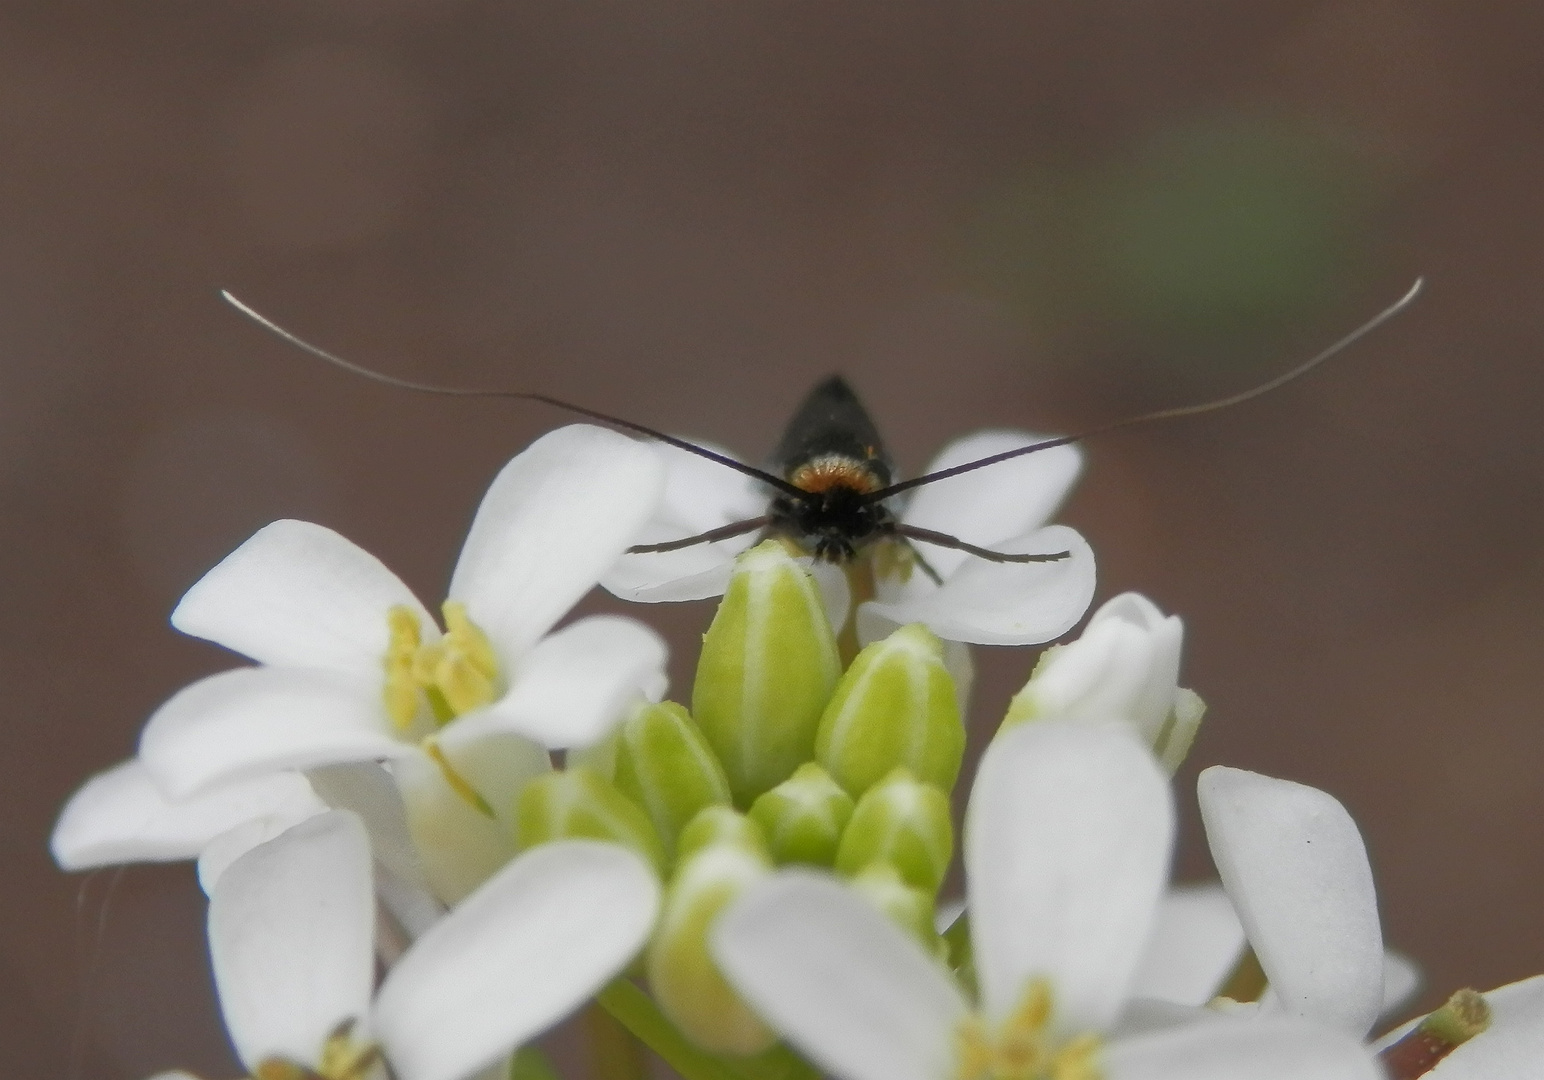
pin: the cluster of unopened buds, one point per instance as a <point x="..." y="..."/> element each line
<point x="748" y="886"/>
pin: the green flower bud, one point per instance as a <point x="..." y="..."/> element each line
<point x="896" y="705"/>
<point x="665" y="766"/>
<point x="721" y="825"/>
<point x="903" y="822"/>
<point x="682" y="974"/>
<point x="581" y="804"/>
<point x="768" y="665"/>
<point x="910" y="909"/>
<point x="803" y="817"/>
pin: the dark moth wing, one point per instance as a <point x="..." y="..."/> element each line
<point x="832" y="423"/>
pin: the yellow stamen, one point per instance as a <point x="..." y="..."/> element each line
<point x="342" y="1058"/>
<point x="973" y="1049"/>
<point x="1023" y="1047"/>
<point x="466" y="667"/>
<point x="1078" y="1060"/>
<point x="455" y="675"/>
<point x="457" y="782"/>
<point x="401" y="691"/>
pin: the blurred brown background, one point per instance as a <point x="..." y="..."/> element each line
<point x="985" y="213"/>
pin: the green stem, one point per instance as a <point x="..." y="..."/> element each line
<point x="615" y="1053"/>
<point x="636" y="1011"/>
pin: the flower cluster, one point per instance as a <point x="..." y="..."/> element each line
<point x="748" y="881"/>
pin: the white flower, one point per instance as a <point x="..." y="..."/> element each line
<point x="1296" y="870"/>
<point x="1003" y="507"/>
<point x="1066" y="853"/>
<point x="121" y="816"/>
<point x="291" y="942"/>
<point x="352" y="667"/>
<point x="1124" y="666"/>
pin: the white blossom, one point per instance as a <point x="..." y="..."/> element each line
<point x="290" y="934"/>
<point x="1066" y="853"/>
<point x="351" y="666"/>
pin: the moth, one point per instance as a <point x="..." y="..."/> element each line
<point x="831" y="486"/>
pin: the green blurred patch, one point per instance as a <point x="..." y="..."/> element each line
<point x="1207" y="235"/>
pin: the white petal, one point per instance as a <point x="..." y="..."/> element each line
<point x="839" y="980"/>
<point x="120" y="815"/>
<point x="1166" y="636"/>
<point x="1067" y="843"/>
<point x="694" y="573"/>
<point x="514" y="958"/>
<point x="989" y="603"/>
<point x="459" y="844"/>
<point x="1401" y="982"/>
<point x="298" y="594"/>
<point x="554" y="520"/>
<point x="368" y="790"/>
<point x="1196" y="943"/>
<point x="1513" y="1046"/>
<point x="412" y="906"/>
<point x="699" y="495"/>
<point x="291" y="932"/>
<point x="574" y="685"/>
<point x="1294" y="866"/>
<point x="220" y="853"/>
<point x="251" y="721"/>
<point x="1271" y="1049"/>
<point x="992" y="504"/>
<point x="1125" y="665"/>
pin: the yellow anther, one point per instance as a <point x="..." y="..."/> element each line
<point x="455" y="675"/>
<point x="462" y="634"/>
<point x="279" y="1069"/>
<point x="1078" y="1060"/>
<point x="343" y="1058"/>
<point x="1023" y="1047"/>
<point x="401" y="689"/>
<point x="973" y="1049"/>
<point x="1033" y="1011"/>
<point x="465" y="669"/>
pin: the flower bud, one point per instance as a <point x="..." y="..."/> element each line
<point x="1124" y="668"/>
<point x="895" y="706"/>
<point x="803" y="817"/>
<point x="910" y="909"/>
<point x="665" y="766"/>
<point x="768" y="665"/>
<point x="683" y="976"/>
<point x="581" y="804"/>
<point x="903" y="822"/>
<point x="721" y="825"/>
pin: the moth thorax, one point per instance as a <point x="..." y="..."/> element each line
<point x="833" y="471"/>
